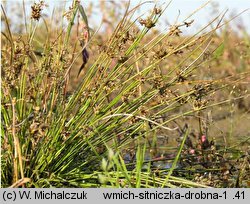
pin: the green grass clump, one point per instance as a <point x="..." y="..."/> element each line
<point x="54" y="136"/>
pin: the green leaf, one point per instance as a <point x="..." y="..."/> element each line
<point x="219" y="51"/>
<point x="83" y="14"/>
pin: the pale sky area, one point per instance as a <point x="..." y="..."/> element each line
<point x="185" y="7"/>
<point x="182" y="7"/>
